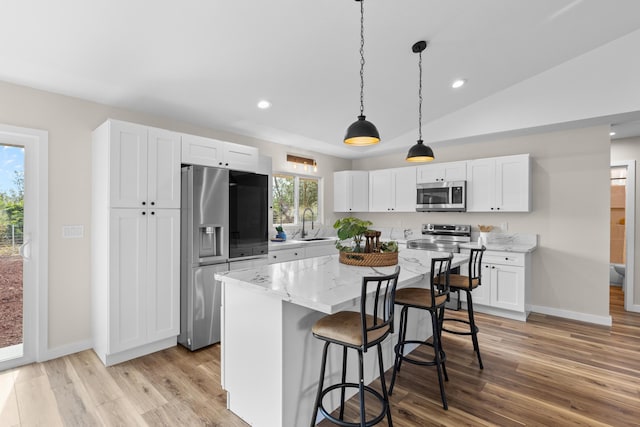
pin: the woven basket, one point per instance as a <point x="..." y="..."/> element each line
<point x="374" y="259"/>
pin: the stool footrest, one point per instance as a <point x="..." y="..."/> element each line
<point x="458" y="332"/>
<point x="340" y="422"/>
<point x="443" y="356"/>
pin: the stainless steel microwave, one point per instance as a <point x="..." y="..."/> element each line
<point x="442" y="196"/>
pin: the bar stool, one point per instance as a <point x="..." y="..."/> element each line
<point x="431" y="299"/>
<point x="359" y="331"/>
<point x="459" y="282"/>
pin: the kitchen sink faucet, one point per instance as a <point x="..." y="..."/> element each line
<point x="303" y="234"/>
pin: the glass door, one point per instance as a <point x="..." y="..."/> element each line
<point x="23" y="245"/>
<point x="11" y="251"/>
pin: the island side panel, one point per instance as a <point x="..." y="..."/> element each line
<point x="252" y="346"/>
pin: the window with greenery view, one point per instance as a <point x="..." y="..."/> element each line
<point x="292" y="195"/>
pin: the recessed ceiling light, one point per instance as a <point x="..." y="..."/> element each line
<point x="264" y="104"/>
<point x="458" y="83"/>
<point x="612" y="133"/>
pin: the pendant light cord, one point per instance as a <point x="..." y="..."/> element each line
<point x="361" y="57"/>
<point x="420" y="99"/>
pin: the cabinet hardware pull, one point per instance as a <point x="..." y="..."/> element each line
<point x="144" y="213"/>
<point x="153" y="203"/>
<point x="144" y="203"/>
<point x="153" y="213"/>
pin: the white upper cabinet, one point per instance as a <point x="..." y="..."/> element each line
<point x="499" y="184"/>
<point x="198" y="150"/>
<point x="144" y="166"/>
<point x="351" y="191"/>
<point x="438" y="172"/>
<point x="392" y="190"/>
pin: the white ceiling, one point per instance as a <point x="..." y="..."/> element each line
<point x="208" y="62"/>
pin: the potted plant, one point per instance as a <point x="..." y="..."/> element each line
<point x="374" y="253"/>
<point x="353" y="229"/>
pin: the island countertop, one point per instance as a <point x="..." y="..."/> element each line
<point x="326" y="285"/>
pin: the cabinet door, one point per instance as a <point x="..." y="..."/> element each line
<point x="240" y="157"/>
<point x="507" y="287"/>
<point x="351" y="191"/>
<point x="380" y="191"/>
<point x="341" y="191"/>
<point x="163" y="165"/>
<point x="198" y="150"/>
<point x="455" y="171"/>
<point x="451" y="171"/>
<point x="359" y="191"/>
<point x="163" y="287"/>
<point x="286" y="255"/>
<point x="405" y="189"/>
<point x="482" y="294"/>
<point x="481" y="185"/>
<point x="128" y="165"/>
<point x="429" y="173"/>
<point x="512" y="183"/>
<point x="127" y="279"/>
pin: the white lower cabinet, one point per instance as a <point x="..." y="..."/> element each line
<point x="505" y="284"/>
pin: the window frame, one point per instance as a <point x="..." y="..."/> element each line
<point x="319" y="217"/>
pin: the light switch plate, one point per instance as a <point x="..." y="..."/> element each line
<point x="72" y="231"/>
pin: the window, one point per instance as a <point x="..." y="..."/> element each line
<point x="292" y="196"/>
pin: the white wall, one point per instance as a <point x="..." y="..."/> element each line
<point x="70" y="122"/>
<point x="629" y="149"/>
<point x="570" y="213"/>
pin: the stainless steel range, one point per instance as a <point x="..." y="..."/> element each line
<point x="441" y="237"/>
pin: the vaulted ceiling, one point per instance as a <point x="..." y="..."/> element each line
<point x="209" y="62"/>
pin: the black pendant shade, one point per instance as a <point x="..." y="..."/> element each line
<point x="362" y="132"/>
<point x="420" y="153"/>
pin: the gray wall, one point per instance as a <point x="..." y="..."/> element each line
<point x="570" y="215"/>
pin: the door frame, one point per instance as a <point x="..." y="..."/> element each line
<point x="630" y="222"/>
<point x="36" y="211"/>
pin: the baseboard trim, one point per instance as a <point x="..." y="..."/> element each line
<point x="65" y="350"/>
<point x="573" y="315"/>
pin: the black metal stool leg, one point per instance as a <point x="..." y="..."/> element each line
<point x="474" y="328"/>
<point x="437" y="350"/>
<point x="363" y="415"/>
<point x="399" y="349"/>
<point x="320" y="384"/>
<point x="384" y="386"/>
<point x="344" y="377"/>
<point x="440" y="323"/>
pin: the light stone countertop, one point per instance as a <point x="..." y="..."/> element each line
<point x="326" y="285"/>
<point x="503" y="247"/>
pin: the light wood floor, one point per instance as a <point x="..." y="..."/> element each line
<point x="547" y="371"/>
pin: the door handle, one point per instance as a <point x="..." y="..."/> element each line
<point x="24" y="250"/>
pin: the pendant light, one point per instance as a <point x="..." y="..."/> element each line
<point x="420" y="152"/>
<point x="362" y="132"/>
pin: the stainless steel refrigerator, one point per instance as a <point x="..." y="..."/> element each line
<point x="204" y="252"/>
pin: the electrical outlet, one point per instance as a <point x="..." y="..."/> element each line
<point x="504" y="227"/>
<point x="72" y="231"/>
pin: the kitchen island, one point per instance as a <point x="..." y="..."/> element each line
<point x="270" y="360"/>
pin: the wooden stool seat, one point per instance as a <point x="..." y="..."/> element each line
<point x="345" y="327"/>
<point x="418" y="298"/>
